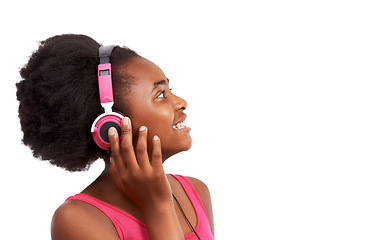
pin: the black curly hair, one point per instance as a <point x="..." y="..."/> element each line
<point x="59" y="99"/>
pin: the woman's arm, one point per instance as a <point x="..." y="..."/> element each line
<point x="144" y="181"/>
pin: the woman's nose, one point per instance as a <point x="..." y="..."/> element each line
<point x="180" y="103"/>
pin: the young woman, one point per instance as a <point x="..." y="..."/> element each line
<point x="133" y="198"/>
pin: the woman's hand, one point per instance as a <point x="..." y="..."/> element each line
<point x="141" y="178"/>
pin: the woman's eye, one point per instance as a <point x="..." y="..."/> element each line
<point x="162" y="94"/>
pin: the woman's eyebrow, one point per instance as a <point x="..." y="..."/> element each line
<point x="161" y="82"/>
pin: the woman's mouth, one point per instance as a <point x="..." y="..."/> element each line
<point x="179" y="125"/>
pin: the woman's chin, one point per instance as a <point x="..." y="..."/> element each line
<point x="184" y="146"/>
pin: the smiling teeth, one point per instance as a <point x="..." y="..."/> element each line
<point x="180" y="125"/>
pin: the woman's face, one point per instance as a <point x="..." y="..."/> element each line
<point x="149" y="102"/>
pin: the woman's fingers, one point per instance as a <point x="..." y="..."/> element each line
<point x="126" y="145"/>
<point x="128" y="160"/>
<point x="114" y="141"/>
<point x="156" y="153"/>
<point x="141" y="148"/>
<point x="114" y="174"/>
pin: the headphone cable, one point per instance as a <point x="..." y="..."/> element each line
<point x="187" y="220"/>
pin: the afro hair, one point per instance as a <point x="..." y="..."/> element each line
<point x="59" y="99"/>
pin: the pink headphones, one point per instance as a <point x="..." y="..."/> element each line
<point x="109" y="118"/>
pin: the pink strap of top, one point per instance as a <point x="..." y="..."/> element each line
<point x="130" y="228"/>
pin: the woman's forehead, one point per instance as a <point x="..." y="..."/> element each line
<point x="143" y="69"/>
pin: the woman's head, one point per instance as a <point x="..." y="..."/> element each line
<point x="150" y="103"/>
<point x="59" y="100"/>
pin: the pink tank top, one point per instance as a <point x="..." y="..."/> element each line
<point x="130" y="228"/>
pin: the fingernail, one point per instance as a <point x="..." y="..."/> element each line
<point x="156" y="138"/>
<point x="125" y="121"/>
<point x="142" y="128"/>
<point x="112" y="131"/>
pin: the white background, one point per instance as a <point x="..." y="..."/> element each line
<point x="287" y="104"/>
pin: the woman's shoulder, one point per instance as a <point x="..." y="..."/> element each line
<point x="79" y="220"/>
<point x="204" y="194"/>
<point x="200" y="186"/>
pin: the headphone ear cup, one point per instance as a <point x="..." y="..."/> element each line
<point x="105" y="128"/>
<point x="101" y="128"/>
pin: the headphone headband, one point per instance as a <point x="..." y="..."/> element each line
<point x="105" y="77"/>
<point x="104" y="53"/>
